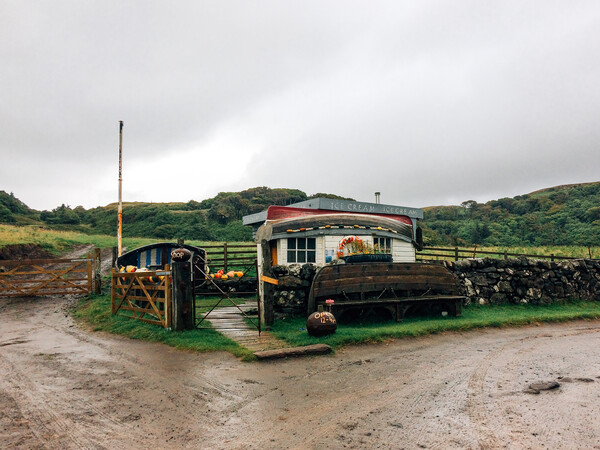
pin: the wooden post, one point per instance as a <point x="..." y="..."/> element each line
<point x="97" y="269"/>
<point x="505" y="254"/>
<point x="258" y="296"/>
<point x="268" y="289"/>
<point x="89" y="273"/>
<point x="113" y="290"/>
<point x="551" y="256"/>
<point x="168" y="298"/>
<point x="225" y="257"/>
<point x="183" y="296"/>
<point x="455" y="253"/>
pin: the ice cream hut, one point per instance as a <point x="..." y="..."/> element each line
<point x="322" y="231"/>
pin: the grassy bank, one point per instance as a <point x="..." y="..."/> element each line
<point x="58" y="242"/>
<point x="293" y="330"/>
<point x="95" y="311"/>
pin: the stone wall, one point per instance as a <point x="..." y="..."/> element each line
<point x="291" y="294"/>
<point x="523" y="280"/>
<point x="484" y="281"/>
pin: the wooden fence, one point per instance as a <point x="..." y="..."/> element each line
<point x="230" y="256"/>
<point x="147" y="296"/>
<point x="239" y="256"/>
<point x="39" y="277"/>
<point x="455" y="253"/>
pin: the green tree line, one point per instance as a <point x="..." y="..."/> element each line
<point x="562" y="215"/>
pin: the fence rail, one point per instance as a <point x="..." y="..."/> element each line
<point x="226" y="256"/>
<point x="147" y="296"/>
<point x="455" y="253"/>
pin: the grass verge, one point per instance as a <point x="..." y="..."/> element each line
<point x="95" y="311"/>
<point x="293" y="330"/>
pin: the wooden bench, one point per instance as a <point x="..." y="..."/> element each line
<point x="393" y="286"/>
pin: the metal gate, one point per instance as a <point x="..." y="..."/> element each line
<point x="40" y="277"/>
<point x="226" y="313"/>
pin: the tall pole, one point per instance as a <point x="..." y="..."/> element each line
<point x="120" y="210"/>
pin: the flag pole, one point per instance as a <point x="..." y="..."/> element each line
<point x="120" y="208"/>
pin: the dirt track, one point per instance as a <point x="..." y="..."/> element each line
<point x="64" y="387"/>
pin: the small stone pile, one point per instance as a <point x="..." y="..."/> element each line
<point x="527" y="281"/>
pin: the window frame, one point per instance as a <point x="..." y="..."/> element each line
<point x="387" y="247"/>
<point x="302" y="250"/>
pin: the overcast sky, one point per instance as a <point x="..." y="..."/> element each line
<point x="429" y="102"/>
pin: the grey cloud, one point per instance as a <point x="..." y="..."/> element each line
<point x="427" y="102"/>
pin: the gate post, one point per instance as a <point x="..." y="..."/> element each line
<point x="183" y="296"/>
<point x="97" y="274"/>
<point x="268" y="290"/>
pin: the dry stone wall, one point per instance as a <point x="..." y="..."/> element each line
<point x="527" y="281"/>
<point x="291" y="294"/>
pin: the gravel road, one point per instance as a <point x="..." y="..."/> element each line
<point x="65" y="387"/>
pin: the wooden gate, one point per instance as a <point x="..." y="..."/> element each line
<point x="39" y="277"/>
<point x="145" y="295"/>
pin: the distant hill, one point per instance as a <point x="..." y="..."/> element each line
<point x="218" y="218"/>
<point x="561" y="215"/>
<point x="14" y="211"/>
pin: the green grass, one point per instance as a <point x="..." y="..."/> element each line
<point x="293" y="331"/>
<point x="95" y="311"/>
<point x="58" y="242"/>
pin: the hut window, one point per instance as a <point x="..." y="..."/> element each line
<point x="382" y="245"/>
<point x="301" y="250"/>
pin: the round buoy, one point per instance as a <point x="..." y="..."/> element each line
<point x="321" y="324"/>
<point x="180" y="254"/>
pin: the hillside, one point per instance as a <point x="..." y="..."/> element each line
<point x="561" y="215"/>
<point x="218" y="218"/>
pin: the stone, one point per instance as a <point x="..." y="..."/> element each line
<point x="480" y="280"/>
<point x="469" y="288"/>
<point x="504" y="286"/>
<point x="279" y="270"/>
<point x="535" y="388"/>
<point x="307" y="272"/>
<point x="498" y="299"/>
<point x="289" y="281"/>
<point x="294" y="269"/>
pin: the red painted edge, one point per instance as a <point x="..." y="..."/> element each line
<point x="288" y="212"/>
